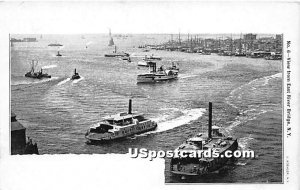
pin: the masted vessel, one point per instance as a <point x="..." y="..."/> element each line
<point x="119" y="126"/>
<point x="201" y="165"/>
<point x="36" y="75"/>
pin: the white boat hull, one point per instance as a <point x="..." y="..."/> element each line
<point x="130" y="130"/>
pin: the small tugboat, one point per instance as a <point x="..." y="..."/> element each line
<point x="75" y="76"/>
<point x="157" y="76"/>
<point x="37" y="75"/>
<point x="119" y="126"/>
<point x="198" y="166"/>
<point x="58" y="54"/>
<point x="116" y="54"/>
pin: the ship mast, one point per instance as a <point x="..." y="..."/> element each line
<point x="209" y="120"/>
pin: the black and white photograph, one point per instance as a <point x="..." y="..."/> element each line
<point x="205" y="93"/>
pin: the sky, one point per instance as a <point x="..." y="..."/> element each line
<point x="146" y="17"/>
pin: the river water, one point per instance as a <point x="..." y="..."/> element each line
<point x="246" y="95"/>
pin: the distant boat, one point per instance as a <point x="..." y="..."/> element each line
<point x="151" y="57"/>
<point x="55" y="44"/>
<point x="157" y="76"/>
<point x="115" y="54"/>
<point x="37" y="75"/>
<point x="111" y="41"/>
<point x="58" y="54"/>
<point x="126" y="59"/>
<point x="75" y="76"/>
<point x="144" y="63"/>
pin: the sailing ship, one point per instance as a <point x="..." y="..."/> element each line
<point x="240" y="52"/>
<point x="37" y="75"/>
<point x="111" y="40"/>
<point x="199" y="165"/>
<point x="119" y="126"/>
<point x="157" y="75"/>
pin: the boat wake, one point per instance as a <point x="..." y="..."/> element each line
<point x="187" y="76"/>
<point x="244" y="143"/>
<point x="32" y="81"/>
<point x="164" y="122"/>
<point x="49" y="66"/>
<point x="63" y="82"/>
<point x="253" y="99"/>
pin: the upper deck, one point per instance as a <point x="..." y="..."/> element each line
<point x="121" y="120"/>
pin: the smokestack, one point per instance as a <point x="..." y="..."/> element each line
<point x="129" y="107"/>
<point x="209" y="119"/>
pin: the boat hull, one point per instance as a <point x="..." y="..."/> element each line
<point x="93" y="138"/>
<point x="154" y="78"/>
<point x="214" y="165"/>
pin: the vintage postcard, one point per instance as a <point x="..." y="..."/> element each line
<point x="203" y="91"/>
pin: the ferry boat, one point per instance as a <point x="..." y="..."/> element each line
<point x="119" y="126"/>
<point x="75" y="76"/>
<point x="199" y="166"/>
<point x="37" y="75"/>
<point x="117" y="54"/>
<point x="157" y="76"/>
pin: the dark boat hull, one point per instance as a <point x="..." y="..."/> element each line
<point x="215" y="165"/>
<point x="37" y="76"/>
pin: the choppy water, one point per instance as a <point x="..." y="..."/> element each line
<point x="246" y="96"/>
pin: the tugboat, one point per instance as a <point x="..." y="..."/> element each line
<point x="37" y="75"/>
<point x="116" y="54"/>
<point x="157" y="76"/>
<point x="119" y="126"/>
<point x="198" y="166"/>
<point x="75" y="76"/>
<point x="58" y="54"/>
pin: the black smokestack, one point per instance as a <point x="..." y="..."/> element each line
<point x="129" y="107"/>
<point x="209" y="119"/>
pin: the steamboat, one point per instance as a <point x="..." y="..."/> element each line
<point x="119" y="126"/>
<point x="200" y="165"/>
<point x="157" y="75"/>
<point x="36" y="75"/>
<point x="117" y="54"/>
